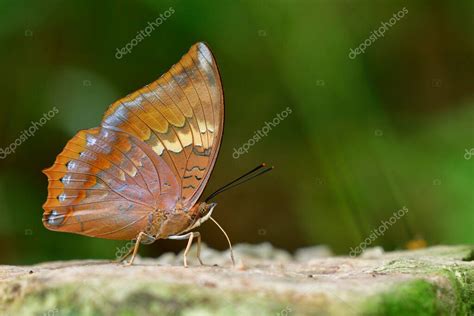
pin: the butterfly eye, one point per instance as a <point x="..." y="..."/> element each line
<point x="55" y="218"/>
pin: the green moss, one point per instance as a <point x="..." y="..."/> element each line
<point x="421" y="297"/>
<point x="470" y="256"/>
<point x="145" y="299"/>
<point x="414" y="298"/>
<point x="462" y="282"/>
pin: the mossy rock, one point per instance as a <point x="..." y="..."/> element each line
<point x="432" y="281"/>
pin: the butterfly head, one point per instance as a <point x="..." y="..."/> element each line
<point x="205" y="211"/>
<point x="201" y="213"/>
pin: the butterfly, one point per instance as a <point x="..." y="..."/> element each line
<point x="140" y="174"/>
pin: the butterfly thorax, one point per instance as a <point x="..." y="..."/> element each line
<point x="163" y="224"/>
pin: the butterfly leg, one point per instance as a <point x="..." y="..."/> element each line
<point x="190" y="237"/>
<point x="125" y="256"/>
<point x="199" y="249"/>
<point x="140" y="236"/>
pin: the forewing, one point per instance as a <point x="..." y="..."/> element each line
<point x="180" y="117"/>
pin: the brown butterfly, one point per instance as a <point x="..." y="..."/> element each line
<point x="139" y="175"/>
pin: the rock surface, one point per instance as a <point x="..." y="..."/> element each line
<point x="266" y="281"/>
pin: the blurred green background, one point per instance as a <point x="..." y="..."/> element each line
<point x="366" y="136"/>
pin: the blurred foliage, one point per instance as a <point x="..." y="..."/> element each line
<point x="366" y="136"/>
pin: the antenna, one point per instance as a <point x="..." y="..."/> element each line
<point x="255" y="172"/>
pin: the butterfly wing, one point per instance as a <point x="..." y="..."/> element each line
<point x="180" y="117"/>
<point x="155" y="150"/>
<point x="103" y="185"/>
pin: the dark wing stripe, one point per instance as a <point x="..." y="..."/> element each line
<point x="196" y="167"/>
